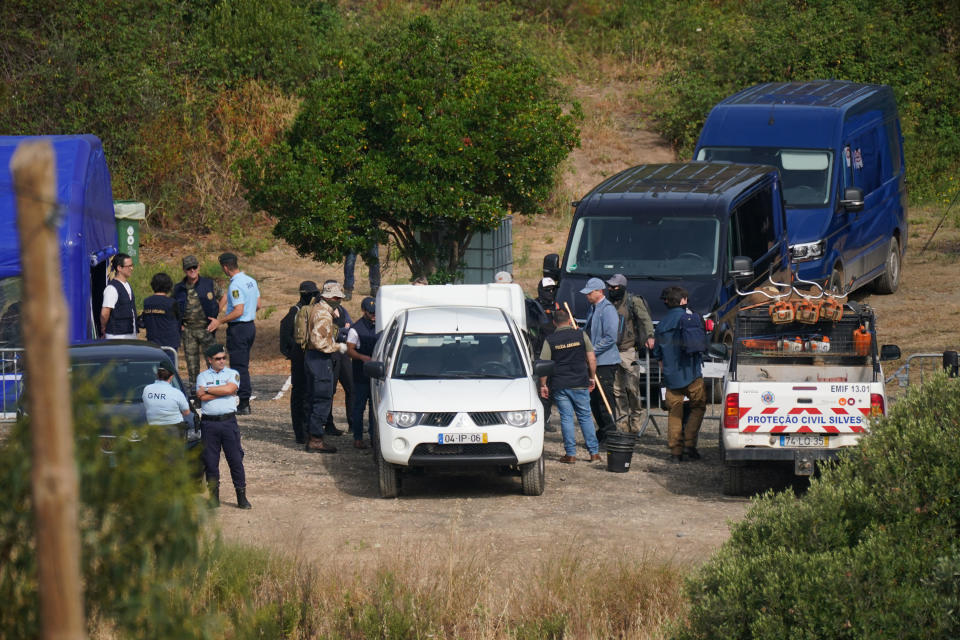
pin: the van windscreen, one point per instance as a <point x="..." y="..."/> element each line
<point x="649" y="245"/>
<point x="806" y="173"/>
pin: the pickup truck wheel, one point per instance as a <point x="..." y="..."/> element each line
<point x="389" y="478"/>
<point x="890" y="280"/>
<point x="532" y="476"/>
<point x="732" y="480"/>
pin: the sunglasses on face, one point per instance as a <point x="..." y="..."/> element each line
<point x="219" y="358"/>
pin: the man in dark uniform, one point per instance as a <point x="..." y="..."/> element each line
<point x="161" y="314"/>
<point x="571" y="383"/>
<point x="547" y="301"/>
<point x="342" y="369"/>
<point x="217" y="390"/>
<point x="243" y="302"/>
<point x="200" y="301"/>
<point x="360" y="342"/>
<point x="299" y="409"/>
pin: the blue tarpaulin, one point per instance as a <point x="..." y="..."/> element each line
<point x="88" y="232"/>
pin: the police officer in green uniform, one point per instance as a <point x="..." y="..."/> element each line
<point x="200" y="301"/>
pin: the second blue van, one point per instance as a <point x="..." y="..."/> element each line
<point x="839" y="149"/>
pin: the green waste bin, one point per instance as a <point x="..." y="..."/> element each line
<point x="128" y="215"/>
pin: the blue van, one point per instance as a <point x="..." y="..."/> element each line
<point x="677" y="224"/>
<point x="839" y="149"/>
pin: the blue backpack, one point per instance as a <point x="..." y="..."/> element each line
<point x="692" y="333"/>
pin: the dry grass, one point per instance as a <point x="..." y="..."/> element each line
<point x="455" y="592"/>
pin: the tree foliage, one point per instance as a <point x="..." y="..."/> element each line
<point x="427" y="127"/>
<point x="871" y="551"/>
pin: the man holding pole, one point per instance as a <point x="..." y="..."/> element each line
<point x="602" y="328"/>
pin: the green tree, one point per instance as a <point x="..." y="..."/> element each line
<point x="425" y="128"/>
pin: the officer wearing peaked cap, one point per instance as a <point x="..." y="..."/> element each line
<point x="217" y="391"/>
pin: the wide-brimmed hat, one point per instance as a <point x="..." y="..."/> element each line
<point x="332" y="290"/>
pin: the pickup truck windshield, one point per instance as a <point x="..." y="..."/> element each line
<point x="439" y="356"/>
<point x="806" y="173"/>
<point x="650" y="245"/>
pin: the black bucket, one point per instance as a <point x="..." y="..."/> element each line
<point x="620" y="451"/>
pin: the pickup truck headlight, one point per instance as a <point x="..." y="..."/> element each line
<point x="520" y="418"/>
<point x="402" y="419"/>
<point x="806" y="251"/>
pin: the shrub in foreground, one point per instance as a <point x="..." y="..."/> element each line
<point x="871" y="551"/>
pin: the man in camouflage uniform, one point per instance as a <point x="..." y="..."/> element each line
<point x="318" y="359"/>
<point x="200" y="301"/>
<point x="636" y="332"/>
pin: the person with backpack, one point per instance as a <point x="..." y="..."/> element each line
<point x="293" y="331"/>
<point x="320" y="346"/>
<point x="681" y="340"/>
<point x="635" y="334"/>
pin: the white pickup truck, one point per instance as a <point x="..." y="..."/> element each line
<point x="799" y="392"/>
<point x="453" y="383"/>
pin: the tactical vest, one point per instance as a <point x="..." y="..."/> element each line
<point x="205" y="291"/>
<point x="161" y="321"/>
<point x="367" y="333"/>
<point x="569" y="353"/>
<point x="121" y="319"/>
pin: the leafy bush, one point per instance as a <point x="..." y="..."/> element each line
<point x="140" y="521"/>
<point x="871" y="551"/>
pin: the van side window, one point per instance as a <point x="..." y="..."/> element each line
<point x="752" y="226"/>
<point x="866" y="160"/>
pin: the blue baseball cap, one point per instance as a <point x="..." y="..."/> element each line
<point x="593" y="284"/>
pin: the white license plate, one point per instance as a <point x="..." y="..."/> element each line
<point x="461" y="438"/>
<point x="804" y="440"/>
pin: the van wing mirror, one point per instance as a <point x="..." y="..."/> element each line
<point x="542" y="368"/>
<point x="852" y="199"/>
<point x="889" y="352"/>
<point x="551" y="266"/>
<point x="374" y="369"/>
<point x="718" y="350"/>
<point x="742" y="268"/>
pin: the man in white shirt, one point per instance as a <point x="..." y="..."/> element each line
<point x="118" y="315"/>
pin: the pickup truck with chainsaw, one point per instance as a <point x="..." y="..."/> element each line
<point x="804" y="380"/>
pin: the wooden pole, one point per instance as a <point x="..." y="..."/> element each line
<point x="55" y="484"/>
<point x="596" y="381"/>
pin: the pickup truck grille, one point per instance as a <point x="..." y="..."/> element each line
<point x="486" y="418"/>
<point x="437" y="419"/>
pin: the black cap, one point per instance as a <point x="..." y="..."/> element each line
<point x="213" y="350"/>
<point x="164" y="367"/>
<point x="369" y="305"/>
<point x="308" y="286"/>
